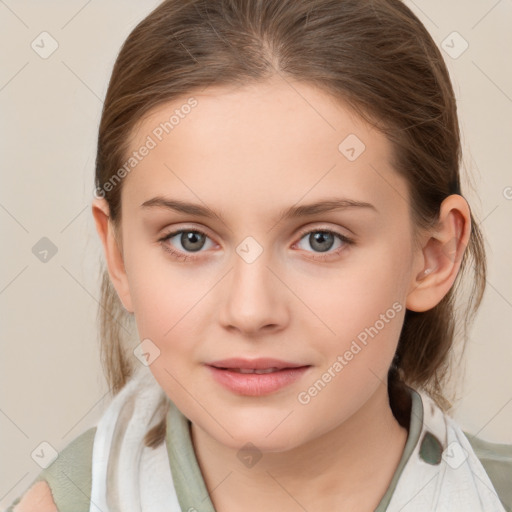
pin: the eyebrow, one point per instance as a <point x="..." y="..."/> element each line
<point x="326" y="205"/>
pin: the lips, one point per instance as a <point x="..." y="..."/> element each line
<point x="241" y="377"/>
<point x="251" y="370"/>
<point x="259" y="365"/>
<point x="255" y="377"/>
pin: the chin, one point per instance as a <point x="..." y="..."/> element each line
<point x="260" y="443"/>
<point x="267" y="435"/>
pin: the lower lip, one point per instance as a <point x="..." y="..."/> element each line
<point x="256" y="384"/>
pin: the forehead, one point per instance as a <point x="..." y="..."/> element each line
<point x="260" y="145"/>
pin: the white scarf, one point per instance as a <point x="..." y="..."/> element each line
<point x="139" y="478"/>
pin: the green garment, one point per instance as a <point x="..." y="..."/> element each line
<point x="69" y="476"/>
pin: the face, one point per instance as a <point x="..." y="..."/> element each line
<point x="325" y="289"/>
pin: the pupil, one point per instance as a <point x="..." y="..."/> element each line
<point x="189" y="238"/>
<point x="318" y="240"/>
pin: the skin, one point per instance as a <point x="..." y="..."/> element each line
<point x="248" y="153"/>
<point x="38" y="497"/>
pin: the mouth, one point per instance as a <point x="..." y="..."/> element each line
<point x="254" y="370"/>
<point x="259" y="365"/>
<point x="256" y="377"/>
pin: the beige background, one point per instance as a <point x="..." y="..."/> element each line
<point x="52" y="387"/>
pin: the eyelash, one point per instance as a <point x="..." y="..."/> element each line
<point x="186" y="257"/>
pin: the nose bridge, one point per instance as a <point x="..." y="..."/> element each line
<point x="253" y="298"/>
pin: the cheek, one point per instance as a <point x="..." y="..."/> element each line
<point x="171" y="310"/>
<point x="361" y="311"/>
<point x="168" y="311"/>
<point x="166" y="308"/>
<point x="348" y="301"/>
<point x="162" y="292"/>
<point x="365" y="318"/>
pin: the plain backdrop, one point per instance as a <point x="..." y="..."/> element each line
<point x="52" y="385"/>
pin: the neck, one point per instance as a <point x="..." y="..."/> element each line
<point x="333" y="470"/>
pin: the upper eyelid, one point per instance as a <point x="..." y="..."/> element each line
<point x="336" y="231"/>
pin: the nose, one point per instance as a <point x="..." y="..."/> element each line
<point x="253" y="298"/>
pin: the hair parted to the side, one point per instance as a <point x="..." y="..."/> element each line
<point x="375" y="55"/>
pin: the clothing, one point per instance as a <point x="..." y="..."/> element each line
<point x="441" y="469"/>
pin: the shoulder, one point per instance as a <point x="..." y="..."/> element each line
<point x="496" y="458"/>
<point x="38" y="498"/>
<point x="65" y="484"/>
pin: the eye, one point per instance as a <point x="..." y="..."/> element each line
<point x="191" y="240"/>
<point x="322" y="240"/>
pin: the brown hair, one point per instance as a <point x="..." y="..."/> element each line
<point x="374" y="54"/>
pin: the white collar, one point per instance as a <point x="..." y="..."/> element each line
<point x="450" y="478"/>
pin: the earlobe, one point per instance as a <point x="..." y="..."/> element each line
<point x="112" y="248"/>
<point x="441" y="255"/>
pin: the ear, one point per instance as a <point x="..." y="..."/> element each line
<point x="113" y="251"/>
<point x="439" y="258"/>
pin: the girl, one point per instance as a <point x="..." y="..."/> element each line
<point x="238" y="138"/>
